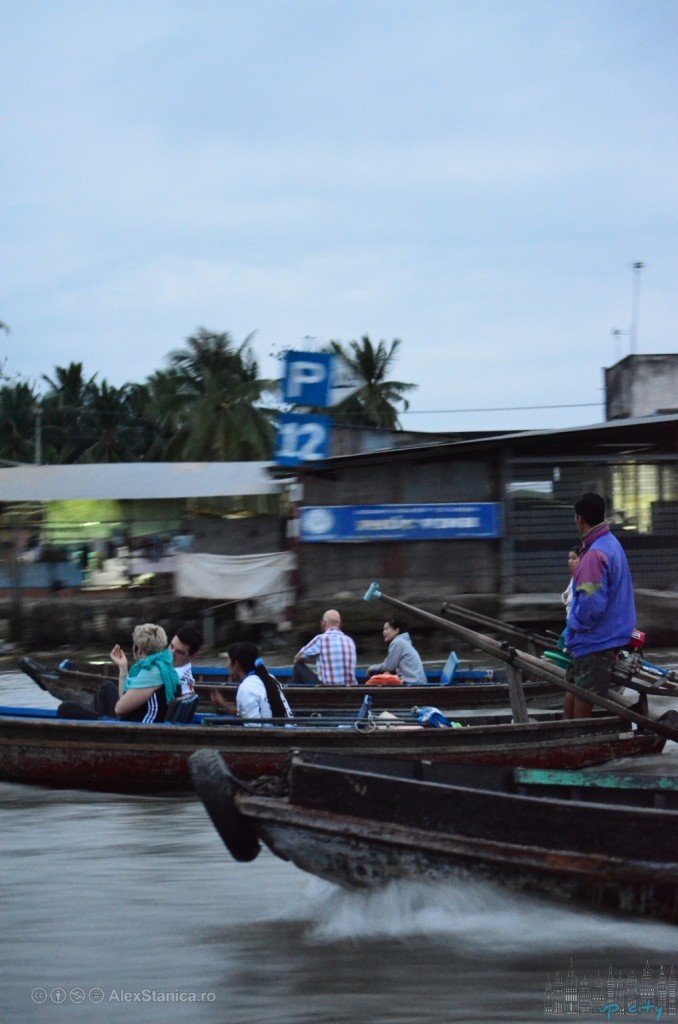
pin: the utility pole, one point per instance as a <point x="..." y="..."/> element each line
<point x="636" y="267"/>
<point x="38" y="435"/>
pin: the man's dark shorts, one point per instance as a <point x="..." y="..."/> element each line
<point x="593" y="671"/>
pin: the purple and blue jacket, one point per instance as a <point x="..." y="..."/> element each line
<point x="603" y="612"/>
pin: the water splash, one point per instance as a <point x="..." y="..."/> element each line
<point x="474" y="916"/>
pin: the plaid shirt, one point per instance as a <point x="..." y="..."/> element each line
<point x="336" y="657"/>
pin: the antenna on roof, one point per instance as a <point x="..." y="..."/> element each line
<point x="636" y="267"/>
<point x="617" y="333"/>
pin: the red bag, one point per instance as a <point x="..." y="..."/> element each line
<point x="385" y="679"/>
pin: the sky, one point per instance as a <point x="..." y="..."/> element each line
<point x="474" y="177"/>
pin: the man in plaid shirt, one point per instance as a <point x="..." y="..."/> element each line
<point x="335" y="653"/>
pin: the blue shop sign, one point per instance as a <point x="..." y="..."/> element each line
<point x="478" y="521"/>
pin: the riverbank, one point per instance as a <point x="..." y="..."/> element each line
<point x="89" y="623"/>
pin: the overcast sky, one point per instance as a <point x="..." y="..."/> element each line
<point x="476" y="177"/>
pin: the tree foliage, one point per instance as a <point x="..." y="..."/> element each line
<point x="209" y="404"/>
<point x="18" y="405"/>
<point x="377" y="400"/>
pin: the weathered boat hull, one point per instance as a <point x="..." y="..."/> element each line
<point x="79" y="684"/>
<point x="38" y="748"/>
<point x="360" y="828"/>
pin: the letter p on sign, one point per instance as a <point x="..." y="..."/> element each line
<point x="307" y="378"/>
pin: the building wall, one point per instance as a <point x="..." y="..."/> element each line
<point x="433" y="480"/>
<point x="408" y="570"/>
<point x="641" y="386"/>
<point x="537" y="495"/>
<point x="235" y="535"/>
<point x="419" y="572"/>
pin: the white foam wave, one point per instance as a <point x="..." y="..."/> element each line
<point x="475" y="916"/>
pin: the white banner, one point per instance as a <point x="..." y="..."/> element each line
<point x="234" y="577"/>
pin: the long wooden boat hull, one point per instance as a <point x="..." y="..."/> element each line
<point x="364" y="827"/>
<point x="79" y="682"/>
<point x="36" y="747"/>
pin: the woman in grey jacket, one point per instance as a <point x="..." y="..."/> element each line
<point x="401" y="658"/>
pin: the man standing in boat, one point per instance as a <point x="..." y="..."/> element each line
<point x="603" y="614"/>
<point x="335" y="653"/>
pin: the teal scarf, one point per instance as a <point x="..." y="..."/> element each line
<point x="163" y="661"/>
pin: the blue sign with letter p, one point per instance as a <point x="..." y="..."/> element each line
<point x="308" y="377"/>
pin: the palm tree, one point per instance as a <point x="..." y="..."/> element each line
<point x="375" y="402"/>
<point x="65" y="406"/>
<point x="18" y="405"/>
<point x="114" y="425"/>
<point x="208" y="403"/>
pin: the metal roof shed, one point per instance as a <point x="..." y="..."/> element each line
<point x="137" y="480"/>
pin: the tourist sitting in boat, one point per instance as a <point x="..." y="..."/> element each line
<point x="402" y="658"/>
<point x="185" y="643"/>
<point x="334" y="652"/>
<point x="143" y="691"/>
<point x="146" y="689"/>
<point x="259" y="694"/>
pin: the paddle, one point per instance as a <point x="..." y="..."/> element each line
<point x="501" y="627"/>
<point x="526" y="662"/>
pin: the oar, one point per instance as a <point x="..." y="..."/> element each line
<point x="500" y="627"/>
<point x="646" y="672"/>
<point x="526" y="662"/>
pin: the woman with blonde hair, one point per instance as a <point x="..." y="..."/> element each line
<point x="145" y="689"/>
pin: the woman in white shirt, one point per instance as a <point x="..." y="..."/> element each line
<point x="259" y="694"/>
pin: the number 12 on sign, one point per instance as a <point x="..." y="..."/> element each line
<point x="303" y="438"/>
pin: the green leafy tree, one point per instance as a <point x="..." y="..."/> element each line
<point x="115" y="427"/>
<point x="208" y="404"/>
<point x="18" y="405"/>
<point x="378" y="400"/>
<point x="65" y="406"/>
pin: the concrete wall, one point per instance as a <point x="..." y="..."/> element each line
<point x="97" y="621"/>
<point x="641" y="386"/>
<point x="246" y="535"/>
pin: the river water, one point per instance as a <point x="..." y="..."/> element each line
<point x="130" y="909"/>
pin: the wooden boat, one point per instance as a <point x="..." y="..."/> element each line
<point x="605" y="838"/>
<point x="77" y="681"/>
<point x="37" y="747"/>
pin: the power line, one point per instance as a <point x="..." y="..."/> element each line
<point x="499" y="408"/>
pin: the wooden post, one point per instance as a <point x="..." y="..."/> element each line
<point x="208" y="627"/>
<point x="516" y="694"/>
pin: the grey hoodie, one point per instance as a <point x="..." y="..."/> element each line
<point x="402" y="660"/>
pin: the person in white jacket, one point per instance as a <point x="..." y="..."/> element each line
<point x="401" y="659"/>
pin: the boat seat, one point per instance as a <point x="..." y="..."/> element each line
<point x="449" y="669"/>
<point x="182" y="711"/>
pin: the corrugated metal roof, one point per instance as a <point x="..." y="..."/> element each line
<point x="643" y="431"/>
<point x="138" y="480"/>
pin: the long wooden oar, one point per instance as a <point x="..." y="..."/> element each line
<point x="496" y="624"/>
<point x="525" y="662"/>
<point x="645" y="672"/>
